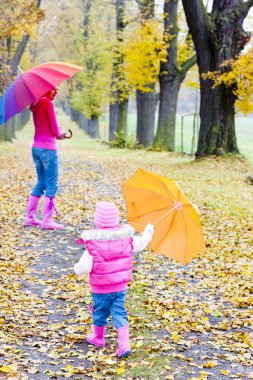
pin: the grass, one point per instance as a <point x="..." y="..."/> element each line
<point x="244" y="133"/>
<point x="144" y="371"/>
<point x="6" y="146"/>
<point x="217" y="182"/>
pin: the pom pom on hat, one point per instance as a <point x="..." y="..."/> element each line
<point x="106" y="215"/>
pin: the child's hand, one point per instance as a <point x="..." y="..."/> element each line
<point x="79" y="241"/>
<point x="150" y="228"/>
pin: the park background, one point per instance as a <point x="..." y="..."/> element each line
<point x="126" y="48"/>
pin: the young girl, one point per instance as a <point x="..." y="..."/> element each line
<point x="108" y="260"/>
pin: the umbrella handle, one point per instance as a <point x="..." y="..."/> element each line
<point x="70" y="134"/>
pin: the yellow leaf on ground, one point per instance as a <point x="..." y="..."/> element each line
<point x="121" y="370"/>
<point x="225" y="372"/>
<point x="209" y="364"/>
<point x="70" y="369"/>
<point x="6" y="369"/>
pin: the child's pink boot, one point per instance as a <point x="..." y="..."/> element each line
<point x="32" y="205"/>
<point x="123" y="341"/>
<point x="98" y="337"/>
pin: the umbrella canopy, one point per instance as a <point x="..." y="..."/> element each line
<point x="31" y="85"/>
<point x="152" y="198"/>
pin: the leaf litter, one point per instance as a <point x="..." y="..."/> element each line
<point x="187" y="322"/>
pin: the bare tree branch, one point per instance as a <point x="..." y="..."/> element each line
<point x="199" y="24"/>
<point x="21" y="48"/>
<point x="245" y="7"/>
<point x="189" y="63"/>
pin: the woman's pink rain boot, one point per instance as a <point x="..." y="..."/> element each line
<point x="123" y="342"/>
<point x="32" y="205"/>
<point x="47" y="215"/>
<point x="98" y="338"/>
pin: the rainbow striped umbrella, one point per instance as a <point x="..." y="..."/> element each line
<point x="31" y="85"/>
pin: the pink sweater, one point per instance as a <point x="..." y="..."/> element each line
<point x="46" y="126"/>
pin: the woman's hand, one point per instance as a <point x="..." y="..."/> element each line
<point x="64" y="135"/>
<point x="61" y="137"/>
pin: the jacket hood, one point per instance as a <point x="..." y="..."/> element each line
<point x="116" y="233"/>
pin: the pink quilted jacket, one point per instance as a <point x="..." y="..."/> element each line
<point x="112" y="264"/>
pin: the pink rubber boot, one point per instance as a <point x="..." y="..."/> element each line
<point x="98" y="338"/>
<point x="32" y="205"/>
<point x="47" y="215"/>
<point x="123" y="342"/>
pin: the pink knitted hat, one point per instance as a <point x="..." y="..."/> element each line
<point x="106" y="215"/>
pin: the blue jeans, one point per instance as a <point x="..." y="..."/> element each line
<point x="108" y="304"/>
<point x="46" y="164"/>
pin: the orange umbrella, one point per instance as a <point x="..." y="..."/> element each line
<point x="152" y="198"/>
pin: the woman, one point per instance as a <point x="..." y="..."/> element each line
<point x="45" y="157"/>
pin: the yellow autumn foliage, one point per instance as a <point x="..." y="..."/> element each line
<point x="96" y="54"/>
<point x="143" y="50"/>
<point x="239" y="76"/>
<point x="185" y="50"/>
<point x="18" y="17"/>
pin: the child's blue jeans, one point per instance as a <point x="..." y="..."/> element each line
<point x="46" y="164"/>
<point x="108" y="304"/>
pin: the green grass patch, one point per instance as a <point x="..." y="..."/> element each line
<point x="6" y="146"/>
<point x="244" y="133"/>
<point x="217" y="182"/>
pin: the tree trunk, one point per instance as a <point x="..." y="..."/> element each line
<point x="113" y="120"/>
<point x="218" y="37"/>
<point x="146" y="102"/>
<point x="74" y="115"/>
<point x="165" y="135"/>
<point x="122" y="121"/>
<point x="170" y="79"/>
<point x="117" y="117"/>
<point x="93" y="127"/>
<point x="146" y="105"/>
<point x="82" y="122"/>
<point x="7" y="131"/>
<point x="18" y="54"/>
<point x="217" y="128"/>
<point x="86" y="14"/>
<point x="21" y="48"/>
